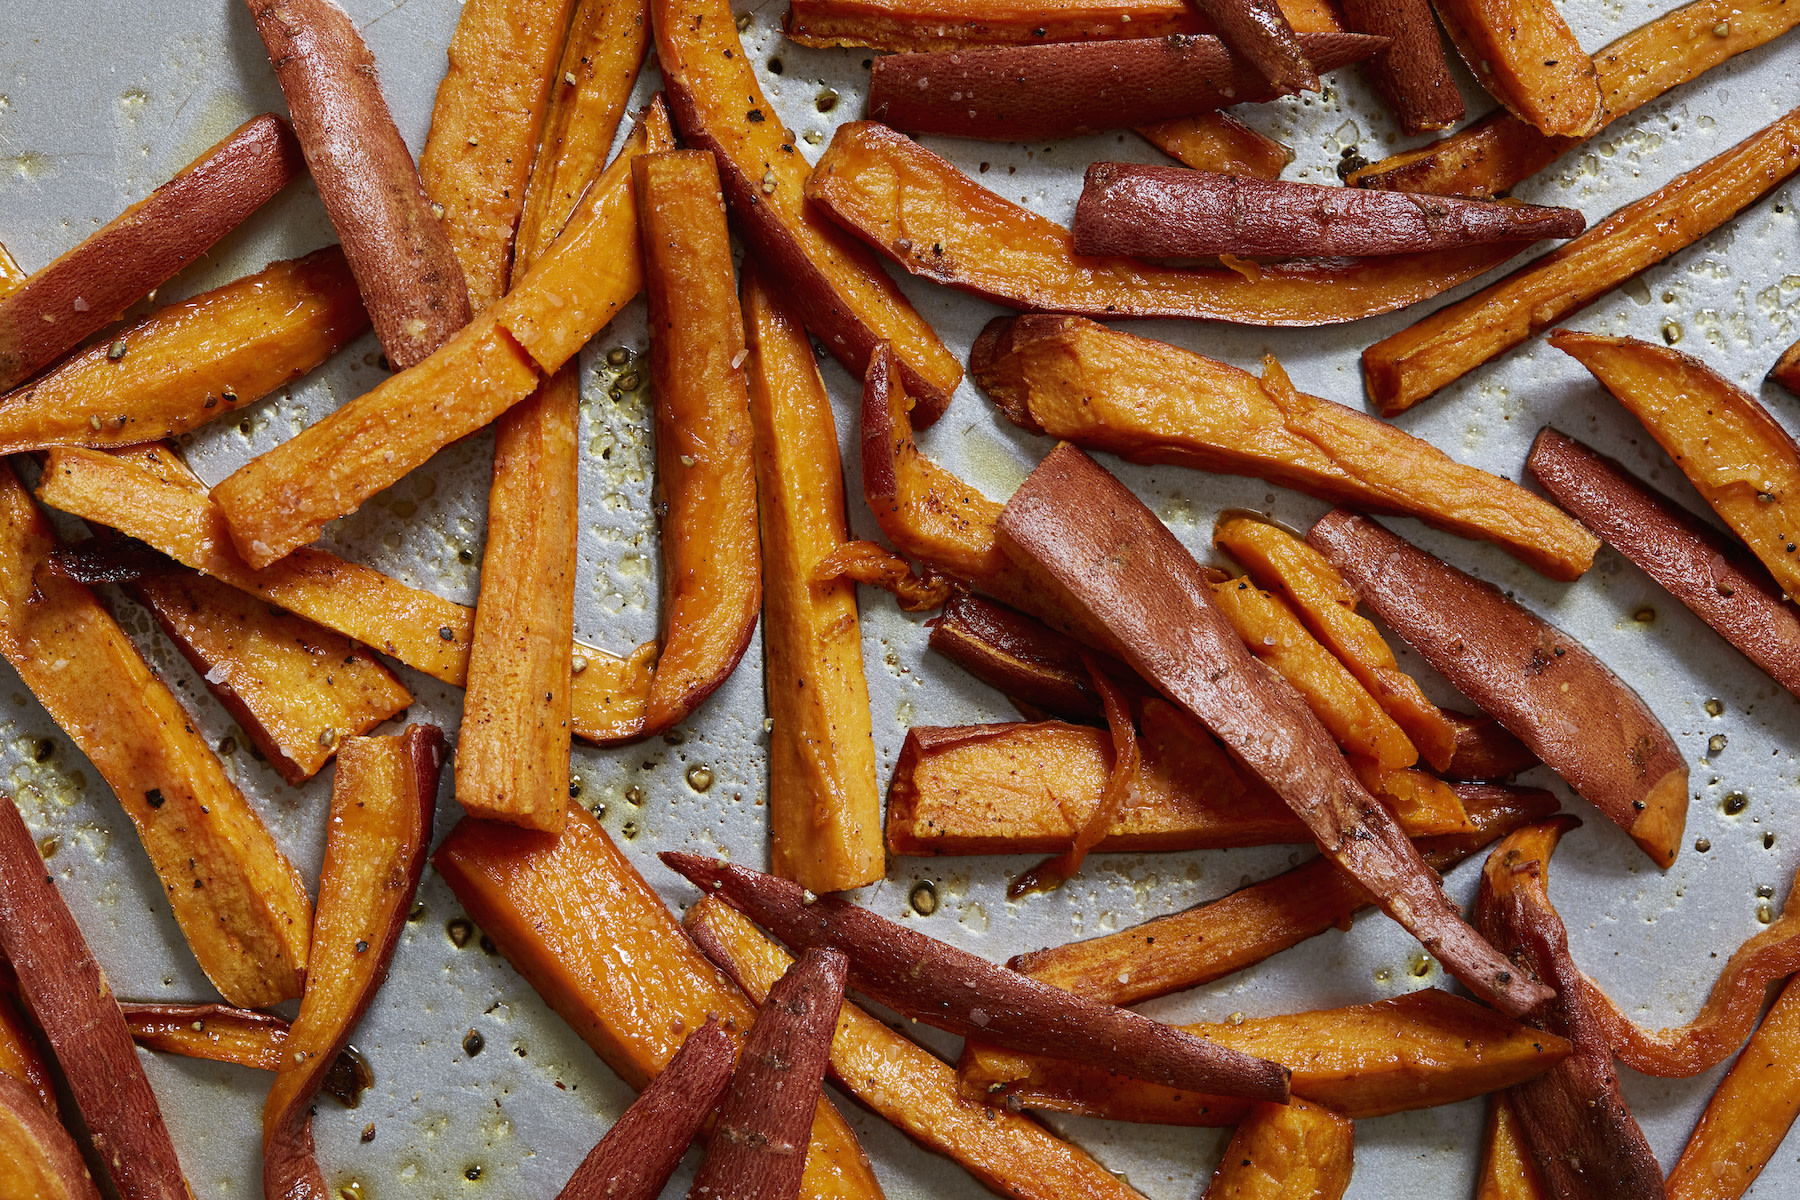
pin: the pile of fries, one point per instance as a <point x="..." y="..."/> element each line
<point x="1168" y="704"/>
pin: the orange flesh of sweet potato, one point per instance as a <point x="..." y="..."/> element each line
<point x="484" y="130"/>
<point x="241" y="1036"/>
<point x="12" y="276"/>
<point x="1507" y="1172"/>
<point x="1498" y="151"/>
<point x="1289" y="567"/>
<point x="600" y="947"/>
<point x="1423" y="804"/>
<point x="19" y="1054"/>
<point x="383" y="798"/>
<point x="1217" y="141"/>
<point x="1294" y="1152"/>
<point x="193" y="361"/>
<point x="824" y="804"/>
<point x="933" y="221"/>
<point x="38" y="1159"/>
<point x="1414" y="1051"/>
<point x="1737" y="456"/>
<point x="1524" y="53"/>
<point x="1406" y="367"/>
<point x="295" y="688"/>
<point x="240" y="903"/>
<point x="926" y="25"/>
<point x="840" y="291"/>
<point x="1148" y="401"/>
<point x="910" y="1087"/>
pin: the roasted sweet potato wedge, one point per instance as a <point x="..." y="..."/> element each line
<point x="841" y="293"/>
<point x="1258" y="32"/>
<point x="1217" y="141"/>
<point x="1488" y="157"/>
<point x="933" y="221"/>
<point x="86" y="289"/>
<point x="1019" y="656"/>
<point x="1294" y="1152"/>
<point x="1414" y="1051"/>
<point x="1485" y="750"/>
<point x="242" y="1036"/>
<point x="903" y="1082"/>
<point x="1091" y="543"/>
<point x="20" y="1057"/>
<point x="1404" y="368"/>
<point x="1147" y="211"/>
<point x="1786" y="371"/>
<point x="1411" y="75"/>
<point x="1148" y="401"/>
<point x="926" y="25"/>
<point x="1546" y="688"/>
<point x="600" y="947"/>
<point x="1214" y="939"/>
<point x="1709" y="574"/>
<point x="1524" y="53"/>
<point x="38" y="1158"/>
<point x="1507" y="1172"/>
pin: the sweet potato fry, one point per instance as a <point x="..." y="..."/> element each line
<point x="1422" y="804"/>
<point x="1485" y="750"/>
<point x="383" y="797"/>
<point x="1414" y="1051"/>
<point x="1065" y="89"/>
<point x="1750" y="1113"/>
<point x="191" y="362"/>
<point x="926" y="25"/>
<point x="1089" y="541"/>
<point x="238" y="900"/>
<point x="1577" y="1128"/>
<point x="840" y="291"/>
<point x="1712" y="576"/>
<point x="1021" y="657"/>
<point x="904" y="1083"/>
<point x="400" y="254"/>
<point x="873" y="564"/>
<point x="642" y="1149"/>
<point x="1217" y="141"/>
<point x="1524" y="53"/>
<point x="1489" y="157"/>
<point x="1740" y="459"/>
<point x="19" y="1054"/>
<point x="1406" y="367"/>
<point x="87" y="288"/>
<point x="1507" y="1172"/>
<point x="1294" y="1152"/>
<point x="1411" y="75"/>
<point x="1258" y="32"/>
<point x="485" y="123"/>
<point x="578" y="921"/>
<point x="38" y="1158"/>
<point x="69" y="997"/>
<point x="282" y="499"/>
<point x="933" y="221"/>
<point x="1147" y="401"/>
<point x="1146" y="211"/>
<point x="241" y="1036"/>
<point x="12" y="275"/>
<point x="1289" y="567"/>
<point x="1546" y="688"/>
<point x="1215" y="939"/>
<point x="824" y="806"/>
<point x="964" y="994"/>
<point x="1786" y="371"/>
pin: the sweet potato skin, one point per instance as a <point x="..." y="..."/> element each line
<point x="401" y="257"/>
<point x="87" y="288"/>
<point x="1485" y="751"/>
<point x="1257" y="31"/>
<point x="1524" y="53"/>
<point x="1296" y="1152"/>
<point x="1545" y="687"/>
<point x="1786" y="370"/>
<point x="1065" y="89"/>
<point x="917" y="26"/>
<point x="1411" y="75"/>
<point x="1704" y="571"/>
<point x="38" y="1159"/>
<point x="1017" y="655"/>
<point x="1148" y="211"/>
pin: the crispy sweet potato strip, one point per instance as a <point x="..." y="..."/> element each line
<point x="19" y="1054"/>
<point x="191" y="362"/>
<point x="933" y="221"/>
<point x="1217" y="141"/>
<point x="1507" y="1172"/>
<point x="925" y="25"/>
<point x="1524" y="53"/>
<point x="1423" y="804"/>
<point x="1147" y="401"/>
<point x="239" y="901"/>
<point x="241" y="1036"/>
<point x="1414" y="1051"/>
<point x="578" y="921"/>
<point x="1489" y="157"/>
<point x="1406" y="367"/>
<point x="38" y="1158"/>
<point x="1296" y="1152"/>
<point x="1023" y="658"/>
<point x="873" y="564"/>
<point x="904" y="1083"/>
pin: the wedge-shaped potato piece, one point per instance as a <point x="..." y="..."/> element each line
<point x="1406" y="367"/>
<point x="935" y="222"/>
<point x="1257" y="31"/>
<point x="909" y="1086"/>
<point x="578" y="921"/>
<point x="824" y="806"/>
<point x="1487" y="158"/>
<point x="383" y="798"/>
<point x="1548" y="689"/>
<point x="1411" y="76"/>
<point x="12" y="276"/>
<point x="19" y="1055"/>
<point x="1293" y="1152"/>
<point x="1507" y="1172"/>
<point x="1786" y="371"/>
<point x="284" y="498"/>
<point x="926" y="25"/>
<point x="86" y="289"/>
<point x="191" y="362"/>
<point x="241" y="1036"/>
<point x="1524" y="53"/>
<point x="295" y="688"/>
<point x="1217" y="141"/>
<point x="38" y="1158"/>
<point x="840" y="291"/>
<point x="1148" y="401"/>
<point x="1423" y="804"/>
<point x="1414" y="1051"/>
<point x="238" y="900"/>
<point x="1485" y="750"/>
<point x="1027" y="660"/>
<point x="1214" y="939"/>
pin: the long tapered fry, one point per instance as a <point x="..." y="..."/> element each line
<point x="1297" y="1152"/>
<point x="1021" y="657"/>
<point x="1217" y="141"/>
<point x="20" y="1056"/>
<point x="925" y="25"/>
<point x="1524" y="53"/>
<point x="242" y="1036"/>
<point x="1258" y="31"/>
<point x="1411" y="75"/>
<point x="1786" y="370"/>
<point x="1507" y="1172"/>
<point x="38" y="1158"/>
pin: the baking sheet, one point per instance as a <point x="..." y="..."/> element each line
<point x="102" y="101"/>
